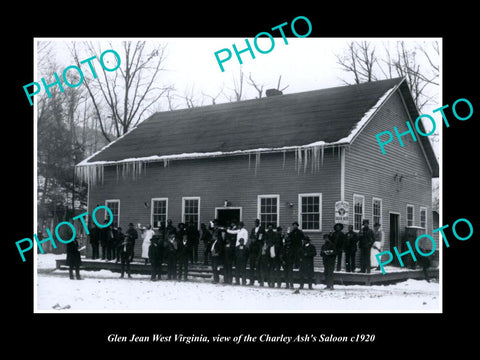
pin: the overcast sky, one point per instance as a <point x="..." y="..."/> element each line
<point x="304" y="64"/>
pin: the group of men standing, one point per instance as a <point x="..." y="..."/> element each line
<point x="266" y="251"/>
<point x="348" y="243"/>
<point x="270" y="254"/>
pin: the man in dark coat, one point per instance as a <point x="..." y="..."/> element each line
<point x="296" y="238"/>
<point x="193" y="240"/>
<point x="241" y="256"/>
<point x="170" y="229"/>
<point x="307" y="253"/>
<point x="216" y="251"/>
<point x="132" y="235"/>
<point x="104" y="238"/>
<point x="161" y="230"/>
<point x="327" y="252"/>
<point x="171" y="256"/>
<point x="161" y="241"/>
<point x="275" y="262"/>
<point x="206" y="238"/>
<point x="365" y="242"/>
<point x="255" y="244"/>
<point x="287" y="258"/>
<point x="110" y="242"/>
<point x="94" y="241"/>
<point x="338" y="238"/>
<point x="350" y="247"/>
<point x="73" y="254"/>
<point x="119" y="236"/>
<point x="181" y="229"/>
<point x="264" y="265"/>
<point x="183" y="256"/>
<point x="155" y="254"/>
<point x="126" y="251"/>
<point x="257" y="231"/>
<point x="228" y="255"/>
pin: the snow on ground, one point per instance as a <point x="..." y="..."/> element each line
<point x="104" y="291"/>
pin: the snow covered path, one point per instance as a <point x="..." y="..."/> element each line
<point x="104" y="291"/>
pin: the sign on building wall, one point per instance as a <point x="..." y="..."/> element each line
<point x="341" y="212"/>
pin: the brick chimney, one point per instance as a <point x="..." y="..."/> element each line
<point x="273" y="92"/>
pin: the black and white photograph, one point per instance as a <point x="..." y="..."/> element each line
<point x="227" y="182"/>
<point x="262" y="187"/>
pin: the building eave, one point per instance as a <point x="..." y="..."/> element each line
<point x="215" y="154"/>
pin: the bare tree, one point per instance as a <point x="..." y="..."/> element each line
<point x="258" y="87"/>
<point x="214" y="98"/>
<point x="170" y="96"/>
<point x="363" y="62"/>
<point x="359" y="59"/>
<point x="237" y="88"/>
<point x="278" y="84"/>
<point x="129" y="92"/>
<point x="189" y="97"/>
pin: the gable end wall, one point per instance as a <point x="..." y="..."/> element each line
<point x="399" y="177"/>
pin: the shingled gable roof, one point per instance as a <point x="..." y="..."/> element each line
<point x="327" y="117"/>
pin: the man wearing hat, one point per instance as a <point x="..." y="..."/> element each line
<point x="350" y="248"/>
<point x="365" y="242"/>
<point x="307" y="253"/>
<point x="132" y="235"/>
<point x="296" y="238"/>
<point x="126" y="249"/>
<point x="327" y="252"/>
<point x="255" y="244"/>
<point x="338" y="239"/>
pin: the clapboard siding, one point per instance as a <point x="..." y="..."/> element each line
<point x="370" y="173"/>
<point x="215" y="180"/>
<point x="283" y="121"/>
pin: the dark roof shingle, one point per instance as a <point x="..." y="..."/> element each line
<point x="298" y="119"/>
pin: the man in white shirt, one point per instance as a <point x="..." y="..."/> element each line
<point x="242" y="233"/>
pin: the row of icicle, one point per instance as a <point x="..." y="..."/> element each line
<point x="307" y="157"/>
<point x="94" y="174"/>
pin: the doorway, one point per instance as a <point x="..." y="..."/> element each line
<point x="394" y="233"/>
<point x="225" y="216"/>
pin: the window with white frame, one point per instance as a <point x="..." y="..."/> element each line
<point x="376" y="211"/>
<point x="268" y="209"/>
<point x="309" y="213"/>
<point x="358" y="211"/>
<point x="410" y="215"/>
<point x="114" y="206"/>
<point x="191" y="210"/>
<point x="423" y="217"/>
<point x="159" y="211"/>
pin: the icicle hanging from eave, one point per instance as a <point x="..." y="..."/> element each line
<point x="94" y="174"/>
<point x="322" y="150"/>
<point x="314" y="159"/>
<point x="305" y="161"/>
<point x="296" y="159"/>
<point x="90" y="174"/>
<point x="135" y="169"/>
<point x="257" y="161"/>
<point x="299" y="150"/>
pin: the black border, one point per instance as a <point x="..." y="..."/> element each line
<point x="405" y="333"/>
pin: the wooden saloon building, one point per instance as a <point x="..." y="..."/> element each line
<point x="310" y="157"/>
